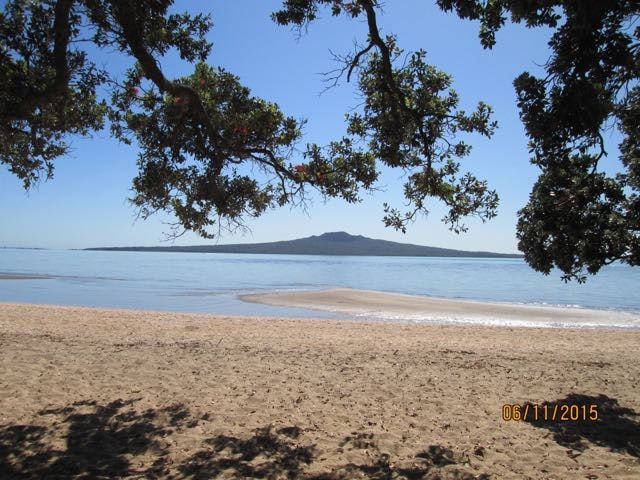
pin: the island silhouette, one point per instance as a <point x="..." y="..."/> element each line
<point x="331" y="243"/>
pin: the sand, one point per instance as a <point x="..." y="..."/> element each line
<point x="23" y="276"/>
<point x="95" y="393"/>
<point x="367" y="302"/>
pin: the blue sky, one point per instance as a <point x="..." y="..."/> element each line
<point x="85" y="204"/>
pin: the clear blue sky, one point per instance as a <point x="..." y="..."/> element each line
<point x="85" y="204"/>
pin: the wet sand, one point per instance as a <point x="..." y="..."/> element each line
<point x="22" y="276"/>
<point x="363" y="302"/>
<point x="98" y="393"/>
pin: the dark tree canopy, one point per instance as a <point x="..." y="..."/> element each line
<point x="578" y="218"/>
<point x="195" y="132"/>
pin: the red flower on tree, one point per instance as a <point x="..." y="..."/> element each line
<point x="300" y="168"/>
<point x="350" y="7"/>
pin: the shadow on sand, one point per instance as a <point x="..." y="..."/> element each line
<point x="99" y="442"/>
<point x="616" y="427"/>
<point x="87" y="440"/>
<point x="274" y="454"/>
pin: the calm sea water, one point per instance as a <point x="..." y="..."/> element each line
<point x="196" y="282"/>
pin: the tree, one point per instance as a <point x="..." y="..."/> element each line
<point x="195" y="131"/>
<point x="578" y="218"/>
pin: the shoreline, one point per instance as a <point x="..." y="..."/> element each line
<point x="25" y="276"/>
<point x="349" y="303"/>
<point x="362" y="316"/>
<point x="90" y="392"/>
<point x="377" y="304"/>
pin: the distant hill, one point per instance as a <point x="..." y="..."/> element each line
<point x="333" y="243"/>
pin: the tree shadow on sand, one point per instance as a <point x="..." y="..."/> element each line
<point x="276" y="454"/>
<point x="98" y="442"/>
<point x="615" y="428"/>
<point x="434" y="463"/>
<point x="88" y="440"/>
<point x="268" y="453"/>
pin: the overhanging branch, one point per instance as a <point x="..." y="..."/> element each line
<point x="125" y="15"/>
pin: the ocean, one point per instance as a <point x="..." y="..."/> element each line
<point x="211" y="283"/>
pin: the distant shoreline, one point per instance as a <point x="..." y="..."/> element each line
<point x="24" y="276"/>
<point x="332" y="244"/>
<point x="483" y="255"/>
<point x="205" y="249"/>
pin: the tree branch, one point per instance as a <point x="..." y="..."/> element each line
<point x="125" y="15"/>
<point x="376" y="40"/>
<point x="62" y="36"/>
<point x="356" y="60"/>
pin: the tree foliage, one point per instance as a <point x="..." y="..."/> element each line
<point x="198" y="133"/>
<point x="578" y="217"/>
<point x="193" y="132"/>
<point x="410" y="118"/>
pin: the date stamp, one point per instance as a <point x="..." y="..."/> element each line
<point x="549" y="412"/>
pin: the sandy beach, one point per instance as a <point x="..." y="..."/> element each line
<point x="97" y="393"/>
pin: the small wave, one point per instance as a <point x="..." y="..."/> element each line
<point x="487" y="321"/>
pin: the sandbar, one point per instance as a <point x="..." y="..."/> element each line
<point x="368" y="302"/>
<point x="22" y="276"/>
